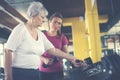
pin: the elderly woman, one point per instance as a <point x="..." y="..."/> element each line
<point x="25" y="46"/>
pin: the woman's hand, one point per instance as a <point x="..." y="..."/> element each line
<point x="76" y="62"/>
<point x="48" y="61"/>
<point x="79" y="63"/>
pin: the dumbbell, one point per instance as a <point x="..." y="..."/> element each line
<point x="55" y="60"/>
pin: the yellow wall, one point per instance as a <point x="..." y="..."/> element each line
<point x="80" y="42"/>
<point x="86" y="34"/>
<point x="92" y="23"/>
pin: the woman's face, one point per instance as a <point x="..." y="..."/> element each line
<point x="55" y="24"/>
<point x="40" y="19"/>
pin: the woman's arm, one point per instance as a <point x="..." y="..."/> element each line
<point x="65" y="49"/>
<point x="8" y="64"/>
<point x="61" y="54"/>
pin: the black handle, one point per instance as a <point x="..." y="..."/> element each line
<point x="44" y="65"/>
<point x="55" y="59"/>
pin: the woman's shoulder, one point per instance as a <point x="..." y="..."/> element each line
<point x="19" y="28"/>
<point x="63" y="35"/>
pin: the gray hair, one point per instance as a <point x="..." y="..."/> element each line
<point x="35" y="9"/>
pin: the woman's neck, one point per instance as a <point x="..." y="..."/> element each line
<point x="52" y="33"/>
<point x="31" y="26"/>
<point x="32" y="30"/>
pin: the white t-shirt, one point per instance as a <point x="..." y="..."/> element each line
<point x="26" y="50"/>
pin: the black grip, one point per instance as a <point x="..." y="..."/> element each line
<point x="55" y="59"/>
<point x="44" y="65"/>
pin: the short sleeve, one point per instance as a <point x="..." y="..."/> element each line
<point x="64" y="40"/>
<point x="46" y="42"/>
<point x="15" y="38"/>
